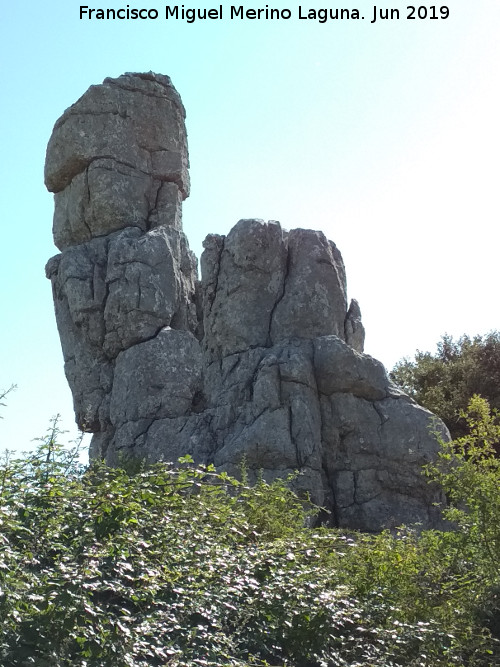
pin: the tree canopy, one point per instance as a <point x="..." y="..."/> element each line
<point x="445" y="382"/>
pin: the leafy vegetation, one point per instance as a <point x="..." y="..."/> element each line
<point x="184" y="566"/>
<point x="4" y="393"/>
<point x="446" y="381"/>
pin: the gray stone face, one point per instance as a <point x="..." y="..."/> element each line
<point x="353" y="328"/>
<point x="148" y="286"/>
<point x="245" y="280"/>
<point x="262" y="360"/>
<point x="118" y="158"/>
<point x="156" y="379"/>
<point x="313" y="302"/>
<point x="117" y="163"/>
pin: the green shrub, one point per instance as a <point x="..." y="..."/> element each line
<point x="184" y="566"/>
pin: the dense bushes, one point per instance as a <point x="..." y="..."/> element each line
<point x="102" y="567"/>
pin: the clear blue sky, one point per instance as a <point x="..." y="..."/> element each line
<point x="385" y="136"/>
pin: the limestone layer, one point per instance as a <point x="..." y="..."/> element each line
<point x="262" y="360"/>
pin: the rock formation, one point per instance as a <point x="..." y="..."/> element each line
<point x="263" y="359"/>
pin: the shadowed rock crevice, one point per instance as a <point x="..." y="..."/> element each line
<point x="261" y="360"/>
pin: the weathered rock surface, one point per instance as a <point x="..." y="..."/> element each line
<point x="118" y="158"/>
<point x="262" y="360"/>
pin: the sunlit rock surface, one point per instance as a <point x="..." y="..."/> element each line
<point x="262" y="359"/>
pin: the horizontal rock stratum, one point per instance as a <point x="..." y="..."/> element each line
<point x="261" y="360"/>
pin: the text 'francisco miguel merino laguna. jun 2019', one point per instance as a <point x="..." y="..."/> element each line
<point x="372" y="13"/>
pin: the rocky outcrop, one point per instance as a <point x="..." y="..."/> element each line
<point x="117" y="161"/>
<point x="262" y="360"/>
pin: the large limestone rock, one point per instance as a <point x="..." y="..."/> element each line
<point x="262" y="360"/>
<point x="118" y="158"/>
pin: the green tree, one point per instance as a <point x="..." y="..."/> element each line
<point x="445" y="382"/>
<point x="468" y="470"/>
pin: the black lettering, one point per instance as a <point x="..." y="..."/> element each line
<point x="424" y="12"/>
<point x="123" y="13"/>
